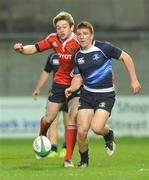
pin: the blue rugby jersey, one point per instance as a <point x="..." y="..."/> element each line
<point x="95" y="66"/>
<point x="52" y="64"/>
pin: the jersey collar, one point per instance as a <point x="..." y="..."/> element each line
<point x="91" y="49"/>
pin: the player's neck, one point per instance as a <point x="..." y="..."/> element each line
<point x="69" y="37"/>
<point x="87" y="47"/>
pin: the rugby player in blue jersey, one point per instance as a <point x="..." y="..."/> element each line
<point x="93" y="68"/>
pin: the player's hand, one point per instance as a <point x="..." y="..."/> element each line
<point x="35" y="94"/>
<point x="18" y="47"/>
<point x="68" y="92"/>
<point x="136" y="87"/>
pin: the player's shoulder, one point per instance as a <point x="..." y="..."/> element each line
<point x="77" y="51"/>
<point x="102" y="43"/>
<point x="52" y="57"/>
<point x="74" y="38"/>
<point x="52" y="36"/>
<point x="76" y="55"/>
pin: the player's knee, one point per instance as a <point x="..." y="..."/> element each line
<point x="72" y="115"/>
<point x="96" y="129"/>
<point x="82" y="133"/>
<point x="48" y="118"/>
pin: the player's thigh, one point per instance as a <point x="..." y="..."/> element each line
<point x="65" y="118"/>
<point x="99" y="119"/>
<point x="73" y="104"/>
<point x="84" y="119"/>
<point x="73" y="108"/>
<point x="52" y="109"/>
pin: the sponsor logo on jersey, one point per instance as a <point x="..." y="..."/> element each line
<point x="81" y="61"/>
<point x="64" y="56"/>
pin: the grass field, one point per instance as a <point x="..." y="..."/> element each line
<point x="130" y="162"/>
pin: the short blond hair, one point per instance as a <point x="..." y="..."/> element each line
<point x="63" y="15"/>
<point x="85" y="24"/>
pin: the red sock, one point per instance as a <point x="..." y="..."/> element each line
<point x="43" y="128"/>
<point x="70" y="142"/>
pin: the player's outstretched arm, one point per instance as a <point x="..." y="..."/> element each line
<point x="135" y="85"/>
<point x="27" y="49"/>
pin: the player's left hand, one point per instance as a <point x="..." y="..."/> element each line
<point x="35" y="94"/>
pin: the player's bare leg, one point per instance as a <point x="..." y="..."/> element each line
<point x="101" y="117"/>
<point x="84" y="121"/>
<point x="51" y="113"/>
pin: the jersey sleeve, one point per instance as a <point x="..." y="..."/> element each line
<point x="49" y="66"/>
<point x="43" y="44"/>
<point x="111" y="51"/>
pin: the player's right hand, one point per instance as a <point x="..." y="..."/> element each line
<point x="35" y="94"/>
<point x="18" y="47"/>
<point x="68" y="92"/>
<point x="136" y="87"/>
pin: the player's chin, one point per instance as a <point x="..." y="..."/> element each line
<point x="63" y="37"/>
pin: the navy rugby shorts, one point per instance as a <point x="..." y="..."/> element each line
<point x="57" y="94"/>
<point x="92" y="100"/>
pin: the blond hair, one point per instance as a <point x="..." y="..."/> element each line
<point x="63" y="15"/>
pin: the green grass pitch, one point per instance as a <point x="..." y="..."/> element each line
<point x="130" y="162"/>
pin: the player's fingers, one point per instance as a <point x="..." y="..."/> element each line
<point x="69" y="94"/>
<point x="18" y="47"/>
<point x="137" y="90"/>
<point x="35" y="95"/>
<point x="66" y="92"/>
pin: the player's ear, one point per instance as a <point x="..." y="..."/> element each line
<point x="72" y="28"/>
<point x="92" y="36"/>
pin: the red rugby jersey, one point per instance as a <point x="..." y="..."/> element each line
<point x="64" y="50"/>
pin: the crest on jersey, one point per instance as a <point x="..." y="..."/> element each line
<point x="81" y="60"/>
<point x="72" y="49"/>
<point x="95" y="57"/>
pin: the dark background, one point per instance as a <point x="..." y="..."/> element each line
<point x="123" y="23"/>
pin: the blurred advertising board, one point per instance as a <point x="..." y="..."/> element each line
<point x="130" y="116"/>
<point x="20" y="116"/>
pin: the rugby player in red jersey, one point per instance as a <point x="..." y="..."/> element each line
<point x="64" y="43"/>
